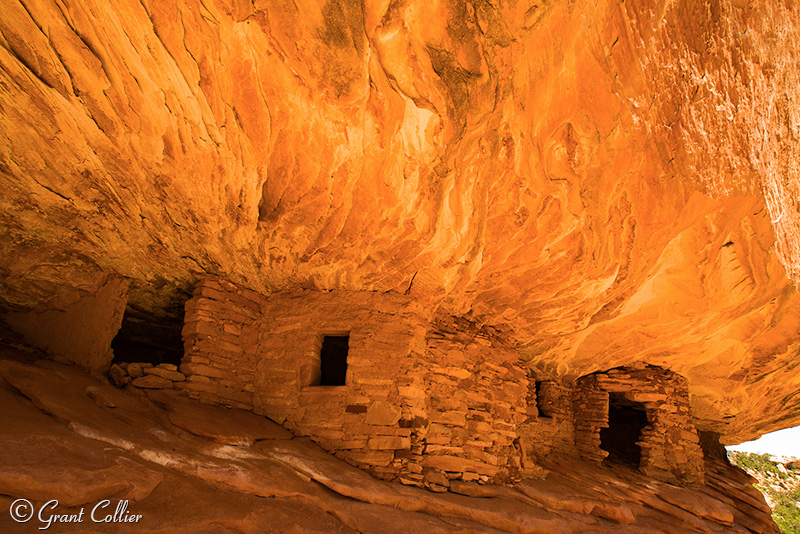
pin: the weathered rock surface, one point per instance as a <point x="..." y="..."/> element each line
<point x="223" y="425"/>
<point x="605" y="181"/>
<point x="82" y="333"/>
<point x="69" y="446"/>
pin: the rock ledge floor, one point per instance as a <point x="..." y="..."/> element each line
<point x="188" y="467"/>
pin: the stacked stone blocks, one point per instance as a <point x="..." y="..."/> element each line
<point x="476" y="397"/>
<point x="549" y="424"/>
<point x="426" y="400"/>
<point x="670" y="446"/>
<point x="422" y="407"/>
<point x="220" y="335"/>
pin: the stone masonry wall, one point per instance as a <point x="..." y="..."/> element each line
<point x="374" y="421"/>
<point x="425" y="401"/>
<point x="476" y="399"/>
<point x="591" y="414"/>
<point x="549" y="424"/>
<point x="422" y="408"/>
<point x="220" y="337"/>
<point x="669" y="443"/>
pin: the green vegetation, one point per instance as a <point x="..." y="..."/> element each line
<point x="786" y="513"/>
<point x="754" y="462"/>
<point x="780" y="487"/>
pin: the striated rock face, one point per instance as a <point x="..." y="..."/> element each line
<point x="604" y="182"/>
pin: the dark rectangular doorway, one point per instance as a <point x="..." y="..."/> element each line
<point x="626" y="420"/>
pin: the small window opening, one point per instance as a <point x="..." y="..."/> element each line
<point x="333" y="360"/>
<point x="626" y="420"/>
<point x="543" y="404"/>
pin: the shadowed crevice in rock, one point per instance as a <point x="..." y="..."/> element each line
<point x="146" y="339"/>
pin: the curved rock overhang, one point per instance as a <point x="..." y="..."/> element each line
<point x="604" y="182"/>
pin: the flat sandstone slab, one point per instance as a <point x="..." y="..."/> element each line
<point x="230" y="426"/>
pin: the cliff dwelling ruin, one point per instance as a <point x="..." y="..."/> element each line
<point x="356" y="266"/>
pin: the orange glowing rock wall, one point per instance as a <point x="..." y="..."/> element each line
<point x="604" y="182"/>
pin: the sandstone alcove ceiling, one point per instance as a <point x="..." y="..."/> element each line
<point x="603" y="182"/>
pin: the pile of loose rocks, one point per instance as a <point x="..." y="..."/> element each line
<point x="145" y="375"/>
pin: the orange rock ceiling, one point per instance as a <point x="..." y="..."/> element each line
<point x="606" y="182"/>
